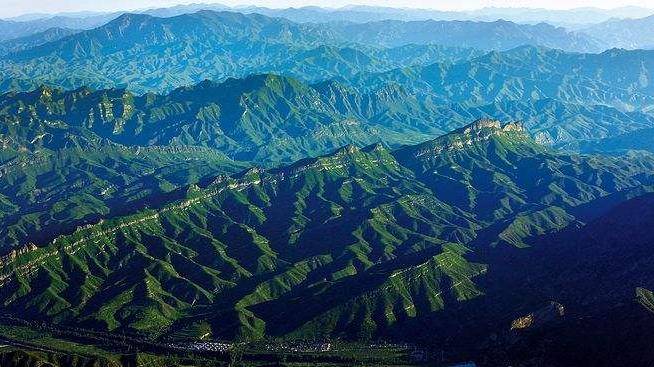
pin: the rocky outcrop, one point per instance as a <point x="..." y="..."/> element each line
<point x="477" y="132"/>
<point x="549" y="313"/>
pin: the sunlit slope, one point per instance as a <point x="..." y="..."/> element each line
<point x="353" y="243"/>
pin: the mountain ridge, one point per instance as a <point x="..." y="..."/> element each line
<point x="253" y="42"/>
<point x="382" y="211"/>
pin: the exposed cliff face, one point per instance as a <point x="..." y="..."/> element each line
<point x="478" y="132"/>
<point x="547" y="314"/>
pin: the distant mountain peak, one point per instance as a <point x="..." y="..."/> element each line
<point x="345" y="150"/>
<point x="375" y="147"/>
<point x="517" y="126"/>
<point x="126" y="20"/>
<point x="479" y="124"/>
<point x="483" y="128"/>
<point x="477" y="132"/>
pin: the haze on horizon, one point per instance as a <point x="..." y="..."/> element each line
<point x="13" y="8"/>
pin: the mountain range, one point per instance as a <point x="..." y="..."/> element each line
<point x="267" y="117"/>
<point x="17" y="28"/>
<point x="145" y="53"/>
<point x="262" y="119"/>
<point x="414" y="233"/>
<point x="625" y="33"/>
<point x="203" y="185"/>
<point x="158" y="54"/>
<point x="587" y="29"/>
<point x="617" y="78"/>
<point x="573" y="18"/>
<point x="33" y="40"/>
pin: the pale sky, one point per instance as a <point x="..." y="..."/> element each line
<point x="9" y="8"/>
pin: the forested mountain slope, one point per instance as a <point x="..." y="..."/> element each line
<point x="240" y="255"/>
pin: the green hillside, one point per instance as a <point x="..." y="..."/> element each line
<point x="271" y="119"/>
<point x="204" y="185"/>
<point x="240" y="255"/>
<point x="46" y="193"/>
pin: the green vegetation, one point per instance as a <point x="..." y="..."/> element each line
<point x="246" y="256"/>
<point x="46" y="193"/>
<point x="36" y="344"/>
<point x="220" y="188"/>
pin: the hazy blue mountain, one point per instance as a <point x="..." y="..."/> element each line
<point x="625" y="33"/>
<point x="37" y="39"/>
<point x="68" y="14"/>
<point x="11" y="29"/>
<point x="123" y="51"/>
<point x="607" y="27"/>
<point x="641" y="139"/>
<point x="576" y="17"/>
<point x="496" y="35"/>
<point x="618" y="78"/>
<point x="189" y="48"/>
